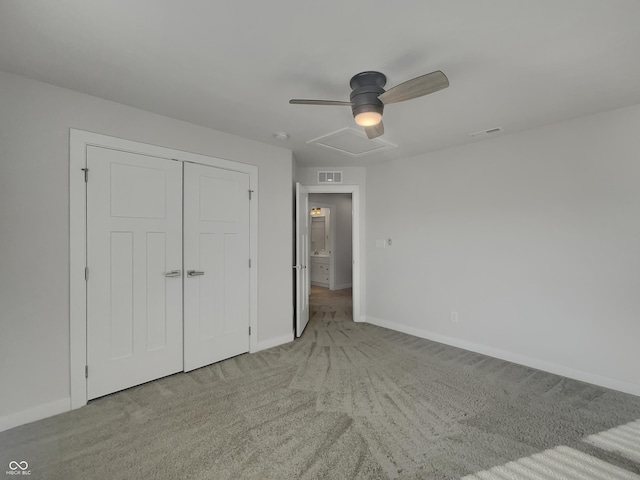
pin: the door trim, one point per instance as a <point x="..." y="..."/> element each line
<point x="78" y="142"/>
<point x="332" y="242"/>
<point x="354" y="190"/>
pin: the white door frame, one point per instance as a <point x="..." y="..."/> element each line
<point x="78" y="142"/>
<point x="354" y="190"/>
<point x="332" y="241"/>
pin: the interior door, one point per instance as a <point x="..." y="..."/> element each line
<point x="134" y="258"/>
<point x="302" y="258"/>
<point x="216" y="263"/>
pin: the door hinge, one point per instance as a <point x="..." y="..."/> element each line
<point x="86" y="273"/>
<point x="86" y="371"/>
<point x="250" y="192"/>
<point x="249" y="263"/>
<point x="86" y="174"/>
<point x="249" y="330"/>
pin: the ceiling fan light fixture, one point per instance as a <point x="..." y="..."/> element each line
<point x="368" y="96"/>
<point x="368" y="119"/>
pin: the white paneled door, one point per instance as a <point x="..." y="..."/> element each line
<point x="216" y="264"/>
<point x="302" y="258"/>
<point x="134" y="258"/>
<point x="156" y="306"/>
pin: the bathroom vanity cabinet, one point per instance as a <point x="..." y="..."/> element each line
<point x="320" y="270"/>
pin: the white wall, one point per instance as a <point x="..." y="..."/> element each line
<point x="341" y="221"/>
<point x="350" y="176"/>
<point x="34" y="238"/>
<point x="533" y="238"/>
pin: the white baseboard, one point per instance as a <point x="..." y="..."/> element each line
<point x="343" y="286"/>
<point x="569" y="372"/>
<point x="274" y="342"/>
<point x="35" y="413"/>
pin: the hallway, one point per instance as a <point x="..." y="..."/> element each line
<point x="328" y="305"/>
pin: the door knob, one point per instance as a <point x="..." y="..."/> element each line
<point x="194" y="273"/>
<point x="173" y="273"/>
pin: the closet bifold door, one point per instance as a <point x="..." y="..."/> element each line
<point x="216" y="264"/>
<point x="134" y="259"/>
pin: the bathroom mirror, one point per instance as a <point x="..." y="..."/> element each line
<point x="318" y="233"/>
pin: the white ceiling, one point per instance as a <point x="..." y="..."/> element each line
<point x="233" y="65"/>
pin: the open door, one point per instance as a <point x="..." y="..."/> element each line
<point x="302" y="258"/>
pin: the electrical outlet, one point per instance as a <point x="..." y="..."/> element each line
<point x="388" y="242"/>
<point x="454" y="317"/>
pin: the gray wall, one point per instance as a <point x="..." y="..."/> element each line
<point x="533" y="238"/>
<point x="341" y="220"/>
<point x="34" y="238"/>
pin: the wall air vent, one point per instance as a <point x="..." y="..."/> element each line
<point x="352" y="142"/>
<point x="329" y="177"/>
<point x="484" y="133"/>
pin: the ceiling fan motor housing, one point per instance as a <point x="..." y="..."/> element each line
<point x="366" y="88"/>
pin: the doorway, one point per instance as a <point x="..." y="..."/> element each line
<point x="322" y="247"/>
<point x="349" y="288"/>
<point x="331" y="256"/>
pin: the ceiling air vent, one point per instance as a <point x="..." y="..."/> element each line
<point x="329" y="177"/>
<point x="352" y="142"/>
<point x="484" y="133"/>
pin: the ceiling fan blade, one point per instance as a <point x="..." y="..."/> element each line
<point x="297" y="101"/>
<point x="374" y="130"/>
<point x="416" y="87"/>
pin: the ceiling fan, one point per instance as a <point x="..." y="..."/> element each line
<point x="368" y="97"/>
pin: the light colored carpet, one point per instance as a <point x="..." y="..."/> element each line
<point x="345" y="401"/>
